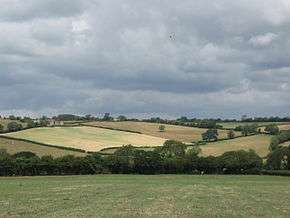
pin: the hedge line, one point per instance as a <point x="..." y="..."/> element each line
<point x="111" y="128"/>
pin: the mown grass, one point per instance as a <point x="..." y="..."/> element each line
<point x="145" y="196"/>
<point x="87" y="138"/>
<point x="180" y="133"/>
<point x="259" y="143"/>
<point x="15" y="146"/>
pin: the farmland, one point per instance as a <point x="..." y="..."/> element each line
<point x="180" y="133"/>
<point x="143" y="196"/>
<point x="87" y="138"/>
<point x="15" y="146"/>
<point x="259" y="143"/>
<point x="232" y="125"/>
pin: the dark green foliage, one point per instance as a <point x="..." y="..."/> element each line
<point x="161" y="128"/>
<point x="14" y="126"/>
<point x="284" y="136"/>
<point x="210" y="135"/>
<point x="231" y="134"/>
<point x="1" y="128"/>
<point x="279" y="159"/>
<point x="247" y="129"/>
<point x="272" y="129"/>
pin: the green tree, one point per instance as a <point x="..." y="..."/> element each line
<point x="161" y="128"/>
<point x="231" y="134"/>
<point x="210" y="135"/>
<point x="1" y="128"/>
<point x="272" y="129"/>
<point x="14" y="126"/>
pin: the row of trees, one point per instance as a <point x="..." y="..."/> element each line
<point x="173" y="157"/>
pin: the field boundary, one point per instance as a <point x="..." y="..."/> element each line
<point x="43" y="144"/>
<point x="111" y="128"/>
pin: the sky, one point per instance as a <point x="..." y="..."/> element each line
<point x="168" y="58"/>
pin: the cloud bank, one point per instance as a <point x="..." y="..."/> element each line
<point x="199" y="58"/>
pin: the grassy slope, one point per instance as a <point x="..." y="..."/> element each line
<point x="143" y="196"/>
<point x="87" y="138"/>
<point x="185" y="134"/>
<point x="259" y="143"/>
<point x="14" y="146"/>
<point x="235" y="124"/>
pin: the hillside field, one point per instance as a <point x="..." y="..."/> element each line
<point x="15" y="146"/>
<point x="180" y="133"/>
<point x="259" y="143"/>
<point x="86" y="138"/>
<point x="232" y="125"/>
<point x="145" y="196"/>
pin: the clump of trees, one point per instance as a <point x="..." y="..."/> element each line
<point x="173" y="157"/>
<point x="247" y="129"/>
<point x="14" y="126"/>
<point x="161" y="128"/>
<point x="272" y="129"/>
<point x="210" y="135"/>
<point x="284" y="136"/>
<point x="279" y="159"/>
<point x="231" y="134"/>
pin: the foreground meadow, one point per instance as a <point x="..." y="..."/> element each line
<point x="179" y="133"/>
<point x="143" y="196"/>
<point x="86" y="138"/>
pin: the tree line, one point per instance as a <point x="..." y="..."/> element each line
<point x="172" y="157"/>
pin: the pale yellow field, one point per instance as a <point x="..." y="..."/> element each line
<point x="180" y="133"/>
<point x="259" y="143"/>
<point x="284" y="127"/>
<point x="87" y="138"/>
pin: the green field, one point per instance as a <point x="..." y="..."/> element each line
<point x="259" y="143"/>
<point x="15" y="146"/>
<point x="86" y="138"/>
<point x="232" y="125"/>
<point x="145" y="196"/>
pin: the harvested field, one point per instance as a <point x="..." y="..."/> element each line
<point x="180" y="133"/>
<point x="259" y="143"/>
<point x="87" y="138"/>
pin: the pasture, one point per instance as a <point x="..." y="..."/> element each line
<point x="232" y="125"/>
<point x="15" y="146"/>
<point x="144" y="196"/>
<point x="259" y="143"/>
<point x="86" y="138"/>
<point x="180" y="133"/>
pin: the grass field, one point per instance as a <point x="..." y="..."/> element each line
<point x="180" y="133"/>
<point x="232" y="125"/>
<point x="145" y="196"/>
<point x="259" y="143"/>
<point x="4" y="123"/>
<point x="284" y="127"/>
<point x="87" y="138"/>
<point x="14" y="146"/>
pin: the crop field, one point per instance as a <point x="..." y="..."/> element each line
<point x="232" y="125"/>
<point x="284" y="127"/>
<point x="15" y="146"/>
<point x="180" y="133"/>
<point x="86" y="138"/>
<point x="259" y="143"/>
<point x="145" y="196"/>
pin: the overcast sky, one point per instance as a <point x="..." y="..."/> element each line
<point x="200" y="58"/>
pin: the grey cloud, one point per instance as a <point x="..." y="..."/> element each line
<point x="198" y="58"/>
